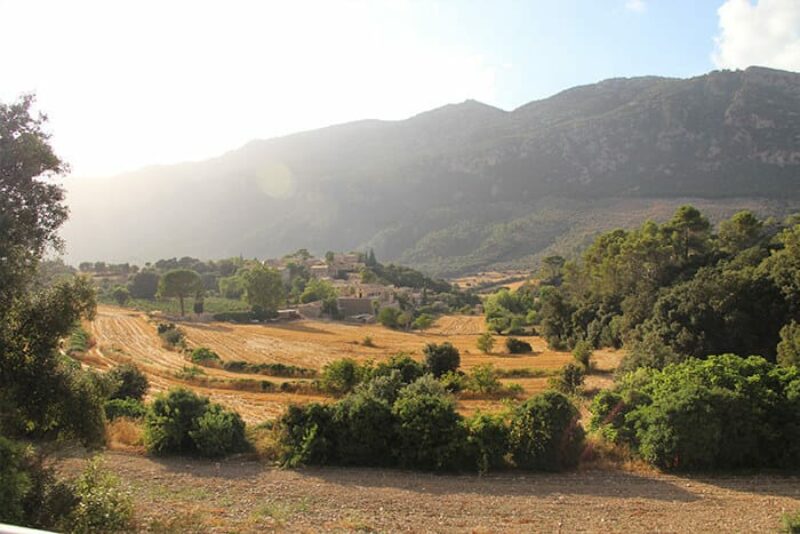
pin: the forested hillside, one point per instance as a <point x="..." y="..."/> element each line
<point x="466" y="186"/>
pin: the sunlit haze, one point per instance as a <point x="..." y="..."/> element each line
<point x="132" y="83"/>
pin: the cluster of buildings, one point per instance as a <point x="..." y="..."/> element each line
<point x="357" y="300"/>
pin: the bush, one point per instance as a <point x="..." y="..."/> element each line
<point x="454" y="381"/>
<point x="791" y="523"/>
<point x="341" y="376"/>
<point x="219" y="432"/>
<point x="128" y="407"/>
<point x="569" y="380"/>
<point x="789" y="347"/>
<point x="171" y="335"/>
<point x="722" y="413"/>
<point x="422" y="322"/>
<point x="545" y="434"/>
<point x="483" y="379"/>
<point x="270" y="369"/>
<point x="410" y="369"/>
<point x="440" y="359"/>
<point x="517" y="346"/>
<point x="389" y="317"/>
<point x="364" y="427"/>
<point x="582" y="353"/>
<point x="485" y="343"/>
<point x="102" y="506"/>
<point x="306" y="436"/>
<point x="170" y="419"/>
<point x="368" y="341"/>
<point x="487" y="439"/>
<point x="430" y="435"/>
<point x="205" y="356"/>
<point x="79" y="341"/>
<point x="16" y="482"/>
<point x="128" y="382"/>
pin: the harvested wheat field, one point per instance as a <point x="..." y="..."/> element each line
<point x="240" y="495"/>
<point x="123" y="335"/>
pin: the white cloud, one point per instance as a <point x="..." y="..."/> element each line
<point x="636" y="5"/>
<point x="137" y="82"/>
<point x="765" y="33"/>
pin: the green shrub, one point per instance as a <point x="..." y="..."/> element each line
<point x="368" y="341"/>
<point x="518" y="346"/>
<point x="270" y="369"/>
<point x="15" y="482"/>
<point x="430" y="434"/>
<point x="128" y="382"/>
<point x="720" y="413"/>
<point x="102" y="507"/>
<point x="789" y="347"/>
<point x="389" y="317"/>
<point x="569" y="380"/>
<point x="189" y="373"/>
<point x="170" y="419"/>
<point x="172" y="336"/>
<point x="29" y="492"/>
<point x="205" y="356"/>
<point x="422" y="322"/>
<point x="791" y="523"/>
<point x="79" y="341"/>
<point x="219" y="432"/>
<point x="306" y="436"/>
<point x="410" y="369"/>
<point x="484" y="379"/>
<point x="485" y="343"/>
<point x="487" y="439"/>
<point x="545" y="434"/>
<point x="129" y="407"/>
<point x="383" y="386"/>
<point x="442" y="358"/>
<point x="454" y="381"/>
<point x="582" y="353"/>
<point x="364" y="427"/>
<point x="341" y="376"/>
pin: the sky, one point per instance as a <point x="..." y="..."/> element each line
<point x="129" y="83"/>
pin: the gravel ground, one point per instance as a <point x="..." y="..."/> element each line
<point x="242" y="495"/>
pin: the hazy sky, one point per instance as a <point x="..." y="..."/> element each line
<point x="131" y="83"/>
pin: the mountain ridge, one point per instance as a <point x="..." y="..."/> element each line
<point x="456" y="174"/>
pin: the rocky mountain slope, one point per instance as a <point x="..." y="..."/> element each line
<point x="466" y="186"/>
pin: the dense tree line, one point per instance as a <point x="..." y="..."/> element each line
<point x="668" y="291"/>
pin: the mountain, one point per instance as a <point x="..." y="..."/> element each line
<point x="466" y="186"/>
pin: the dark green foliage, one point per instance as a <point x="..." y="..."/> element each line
<point x="569" y="379"/>
<point x="789" y="346"/>
<point x="170" y="419"/>
<point x="218" y="432"/>
<point x="441" y="358"/>
<point x="270" y="369"/>
<point x="126" y="407"/>
<point x="79" y="341"/>
<point x="365" y="428"/>
<point x="341" y="376"/>
<point x="263" y="289"/>
<point x="181" y="283"/>
<point x="127" y="382"/>
<point x="254" y="315"/>
<point x="144" y="285"/>
<point x="517" y="346"/>
<point x="205" y="356"/>
<point x="121" y="295"/>
<point x="545" y="434"/>
<point x="582" y="353"/>
<point x="306" y="435"/>
<point x="487" y="441"/>
<point x="172" y="336"/>
<point x="430" y="433"/>
<point x="389" y="317"/>
<point x="409" y="369"/>
<point x="16" y="482"/>
<point x="791" y="523"/>
<point x="485" y="343"/>
<point x="720" y="413"/>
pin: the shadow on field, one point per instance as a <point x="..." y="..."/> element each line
<point x="608" y="484"/>
<point x="774" y="483"/>
<point x="210" y="327"/>
<point x="298" y="327"/>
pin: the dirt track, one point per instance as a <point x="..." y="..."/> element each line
<point x="245" y="496"/>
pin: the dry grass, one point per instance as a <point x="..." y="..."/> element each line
<point x="127" y="336"/>
<point x="124" y="434"/>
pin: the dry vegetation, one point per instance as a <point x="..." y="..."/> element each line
<point x="122" y="335"/>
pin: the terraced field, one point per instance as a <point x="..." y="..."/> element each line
<point x="123" y="335"/>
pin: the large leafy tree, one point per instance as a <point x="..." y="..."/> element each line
<point x="39" y="393"/>
<point x="180" y="283"/>
<point x="264" y="288"/>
